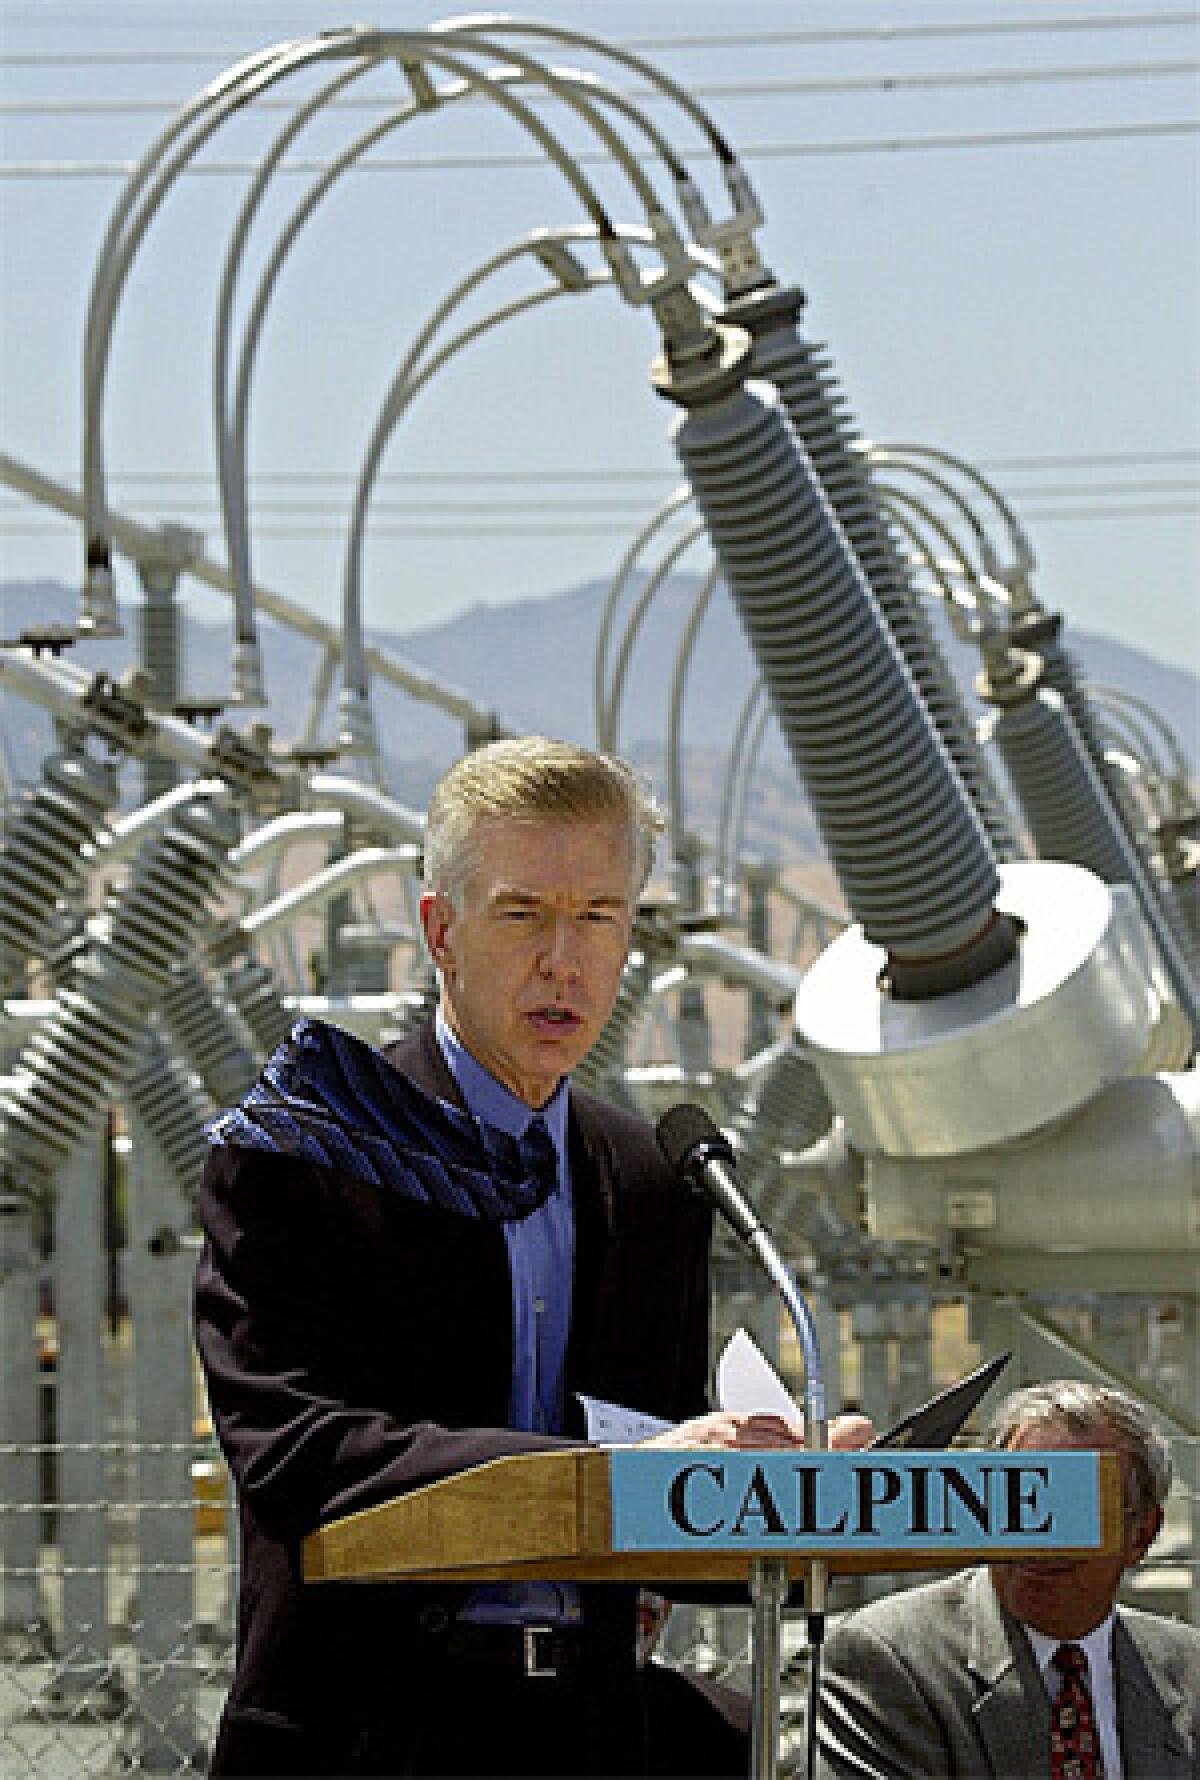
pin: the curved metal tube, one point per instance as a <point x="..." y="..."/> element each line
<point x="374" y="808"/>
<point x="267" y="842"/>
<point x="232" y="91"/>
<point x="633" y="626"/>
<point x="750" y="718"/>
<point x="236" y="89"/>
<point x="890" y="459"/>
<point x="982" y="588"/>
<point x="679" y="498"/>
<point x="1113" y="698"/>
<point x="403" y="389"/>
<point x="941" y="570"/>
<point x="1015" y="578"/>
<point x="676" y="820"/>
<point x="737" y="833"/>
<point x="504" y="22"/>
<point x="408" y="382"/>
<point x="328" y="883"/>
<point x="231" y="466"/>
<point x="232" y="439"/>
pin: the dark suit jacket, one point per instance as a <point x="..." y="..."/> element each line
<point x="941" y="1681"/>
<point x="357" y="1344"/>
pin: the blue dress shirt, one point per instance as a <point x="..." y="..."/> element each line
<point x="541" y="1258"/>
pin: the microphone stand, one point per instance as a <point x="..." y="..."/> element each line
<point x="768" y="1591"/>
<point x="691" y="1142"/>
<point x="768" y="1576"/>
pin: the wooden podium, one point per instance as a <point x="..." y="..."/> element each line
<point x="590" y="1516"/>
<point x="765" y="1519"/>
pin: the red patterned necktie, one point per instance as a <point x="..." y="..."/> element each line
<point x="1074" y="1740"/>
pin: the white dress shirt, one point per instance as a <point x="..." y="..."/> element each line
<point x="1097" y="1647"/>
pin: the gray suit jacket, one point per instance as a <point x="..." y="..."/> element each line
<point x="940" y="1681"/>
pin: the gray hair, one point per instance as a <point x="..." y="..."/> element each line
<point x="533" y="778"/>
<point x="1085" y="1409"/>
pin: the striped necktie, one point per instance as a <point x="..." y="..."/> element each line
<point x="1074" y="1740"/>
<point x="539" y="1157"/>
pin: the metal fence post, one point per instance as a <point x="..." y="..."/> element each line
<point x="160" y="1266"/>
<point x="82" y="1484"/>
<point x="23" y="1614"/>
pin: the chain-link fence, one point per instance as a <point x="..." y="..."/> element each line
<point x="116" y="1660"/>
<point x="117" y="1620"/>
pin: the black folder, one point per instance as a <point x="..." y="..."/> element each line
<point x="936" y="1423"/>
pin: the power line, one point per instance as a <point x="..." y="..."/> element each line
<point x="474" y="163"/>
<point x="522" y="529"/>
<point x="1031" y="464"/>
<point x="926" y="32"/>
<point x="880" y="34"/>
<point x="805" y="87"/>
<point x="543" y="503"/>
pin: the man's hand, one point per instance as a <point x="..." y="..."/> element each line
<point x="721" y="1427"/>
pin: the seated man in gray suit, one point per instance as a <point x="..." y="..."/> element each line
<point x="980" y="1674"/>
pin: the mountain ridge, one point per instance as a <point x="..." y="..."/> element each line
<point x="534" y="662"/>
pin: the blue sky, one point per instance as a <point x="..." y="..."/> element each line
<point x="990" y="204"/>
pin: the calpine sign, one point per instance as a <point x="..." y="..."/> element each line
<point x="854" y="1502"/>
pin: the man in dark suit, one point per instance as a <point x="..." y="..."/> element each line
<point x="413" y="1262"/>
<point x="1005" y="1672"/>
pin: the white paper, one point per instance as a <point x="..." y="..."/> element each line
<point x="608" y="1424"/>
<point x="748" y="1384"/>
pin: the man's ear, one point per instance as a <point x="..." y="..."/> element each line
<point x="437" y="914"/>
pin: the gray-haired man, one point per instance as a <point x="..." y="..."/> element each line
<point x="1029" y="1668"/>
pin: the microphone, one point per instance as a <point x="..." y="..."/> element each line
<point x="697" y="1149"/>
<point x="700" y="1150"/>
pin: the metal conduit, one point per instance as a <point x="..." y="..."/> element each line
<point x="908" y="847"/>
<point x="1071" y="818"/>
<point x="804" y="376"/>
<point x="41" y="857"/>
<point x="78" y="1059"/>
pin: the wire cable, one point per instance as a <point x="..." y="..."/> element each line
<point x="950" y="31"/>
<point x="817" y="86"/>
<point x="1051" y="137"/>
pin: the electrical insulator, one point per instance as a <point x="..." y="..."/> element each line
<point x="1071" y="815"/>
<point x="174" y="1109"/>
<point x="804" y="376"/>
<point x="79" y="1059"/>
<point x="41" y="860"/>
<point x="205" y="1035"/>
<point x="254" y="992"/>
<point x="906" y="842"/>
<point x="785" y="1108"/>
